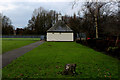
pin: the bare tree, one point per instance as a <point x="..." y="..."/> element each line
<point x="113" y="24"/>
<point x="42" y="20"/>
<point x="7" y="27"/>
<point x="94" y="11"/>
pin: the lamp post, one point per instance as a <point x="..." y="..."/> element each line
<point x="96" y="18"/>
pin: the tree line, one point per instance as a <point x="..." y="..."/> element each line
<point x="108" y="20"/>
<point x="41" y="20"/>
<point x="7" y="27"/>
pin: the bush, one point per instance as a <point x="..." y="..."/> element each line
<point x="114" y="51"/>
<point x="107" y="46"/>
<point x="102" y="45"/>
<point x="111" y="43"/>
<point x="91" y="42"/>
<point x="99" y="44"/>
<point x="78" y="41"/>
<point x="117" y="52"/>
<point x="119" y="43"/>
<point x="84" y="42"/>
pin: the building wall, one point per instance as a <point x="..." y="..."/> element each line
<point x="60" y="36"/>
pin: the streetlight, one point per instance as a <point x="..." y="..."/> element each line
<point x="96" y="18"/>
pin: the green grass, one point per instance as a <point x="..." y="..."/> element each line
<point x="13" y="43"/>
<point x="48" y="60"/>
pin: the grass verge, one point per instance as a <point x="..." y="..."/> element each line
<point x="13" y="43"/>
<point x="48" y="60"/>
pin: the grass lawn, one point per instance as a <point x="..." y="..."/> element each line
<point x="13" y="43"/>
<point x="48" y="60"/>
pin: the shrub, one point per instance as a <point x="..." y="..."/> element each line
<point x="91" y="42"/>
<point x="102" y="45"/>
<point x="114" y="51"/>
<point x="78" y="41"/>
<point x="107" y="46"/>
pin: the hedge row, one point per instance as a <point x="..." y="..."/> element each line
<point x="106" y="46"/>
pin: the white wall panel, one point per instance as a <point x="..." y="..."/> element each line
<point x="60" y="36"/>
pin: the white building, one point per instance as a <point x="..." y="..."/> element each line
<point x="60" y="32"/>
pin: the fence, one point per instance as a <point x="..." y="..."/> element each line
<point x="23" y="36"/>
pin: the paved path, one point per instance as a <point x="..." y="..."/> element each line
<point x="9" y="56"/>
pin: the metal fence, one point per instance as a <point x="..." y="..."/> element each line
<point x="23" y="36"/>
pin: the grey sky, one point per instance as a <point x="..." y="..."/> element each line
<point x="21" y="12"/>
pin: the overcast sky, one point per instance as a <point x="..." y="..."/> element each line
<point x="20" y="11"/>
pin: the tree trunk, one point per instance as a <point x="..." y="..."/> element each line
<point x="117" y="40"/>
